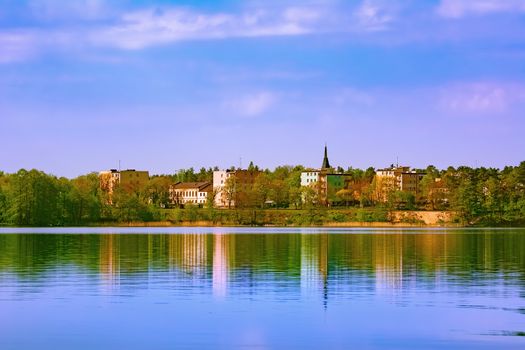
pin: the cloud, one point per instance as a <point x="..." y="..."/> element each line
<point x="373" y="17"/>
<point x="482" y="97"/>
<point x="149" y="27"/>
<point x="16" y="46"/>
<point x="90" y="25"/>
<point x="461" y="8"/>
<point x="301" y="14"/>
<point x="253" y="104"/>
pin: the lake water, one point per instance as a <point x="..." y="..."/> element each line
<point x="241" y="288"/>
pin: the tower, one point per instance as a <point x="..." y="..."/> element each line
<point x="326" y="163"/>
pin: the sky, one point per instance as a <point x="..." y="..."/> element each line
<point x="164" y="85"/>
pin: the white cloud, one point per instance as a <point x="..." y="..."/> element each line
<point x="371" y="16"/>
<point x="253" y="104"/>
<point x="102" y="26"/>
<point x="16" y="46"/>
<point x="301" y="14"/>
<point x="144" y="28"/>
<point x="482" y="97"/>
<point x="461" y="8"/>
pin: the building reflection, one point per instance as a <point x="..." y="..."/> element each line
<point x="223" y="246"/>
<point x="314" y="265"/>
<point x="321" y="263"/>
<point x="109" y="261"/>
<point x="188" y="253"/>
<point x="388" y="263"/>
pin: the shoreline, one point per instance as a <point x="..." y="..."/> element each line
<point x="326" y="225"/>
<point x="167" y="224"/>
<point x="296" y="219"/>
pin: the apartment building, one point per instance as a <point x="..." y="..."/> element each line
<point x="231" y="186"/>
<point x="129" y="180"/>
<point x="396" y="178"/>
<point x="195" y="193"/>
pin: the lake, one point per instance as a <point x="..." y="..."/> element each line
<point x="261" y="288"/>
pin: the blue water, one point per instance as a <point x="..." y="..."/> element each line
<point x="242" y="288"/>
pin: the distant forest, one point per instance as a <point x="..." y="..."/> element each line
<point x="477" y="195"/>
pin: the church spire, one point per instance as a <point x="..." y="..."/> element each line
<point x="326" y="163"/>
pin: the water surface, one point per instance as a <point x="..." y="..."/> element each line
<point x="221" y="288"/>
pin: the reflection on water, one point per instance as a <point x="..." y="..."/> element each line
<point x="276" y="290"/>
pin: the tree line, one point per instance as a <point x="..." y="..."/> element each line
<point x="477" y="195"/>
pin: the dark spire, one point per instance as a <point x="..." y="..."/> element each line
<point x="326" y="163"/>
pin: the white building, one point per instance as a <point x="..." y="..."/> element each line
<point x="219" y="182"/>
<point x="242" y="181"/>
<point x="195" y="193"/>
<point x="309" y="177"/>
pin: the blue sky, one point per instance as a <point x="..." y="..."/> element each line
<point x="164" y="85"/>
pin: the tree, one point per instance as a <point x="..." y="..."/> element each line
<point x="260" y="192"/>
<point x="252" y="167"/>
<point x="32" y="199"/>
<point x="310" y="196"/>
<point x="230" y="190"/>
<point x="429" y="188"/>
<point x="84" y="199"/>
<point x="293" y="183"/>
<point x="345" y="195"/>
<point x="158" y="191"/>
<point x="493" y="198"/>
<point x="467" y="200"/>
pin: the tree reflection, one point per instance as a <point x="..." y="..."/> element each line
<point x="312" y="264"/>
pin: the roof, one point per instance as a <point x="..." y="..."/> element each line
<point x="201" y="186"/>
<point x="326" y="163"/>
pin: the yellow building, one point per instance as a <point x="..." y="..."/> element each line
<point x="393" y="179"/>
<point x="129" y="180"/>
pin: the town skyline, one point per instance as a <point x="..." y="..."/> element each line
<point x="120" y="166"/>
<point x="276" y="174"/>
<point x="165" y="85"/>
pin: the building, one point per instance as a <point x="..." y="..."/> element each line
<point x="396" y="178"/>
<point x="325" y="181"/>
<point x="195" y="193"/>
<point x="129" y="180"/>
<point x="309" y="177"/>
<point x="437" y="195"/>
<point x="231" y="187"/>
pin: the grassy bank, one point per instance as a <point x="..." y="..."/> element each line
<point x="320" y="217"/>
<point x="273" y="217"/>
<point x="354" y="217"/>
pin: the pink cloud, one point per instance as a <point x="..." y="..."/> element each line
<point x="461" y="8"/>
<point x="482" y="97"/>
<point x="252" y="104"/>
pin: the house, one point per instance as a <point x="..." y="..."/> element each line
<point x="195" y="193"/>
<point x="396" y="178"/>
<point x="231" y="187"/>
<point x="325" y="181"/>
<point x="129" y="180"/>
